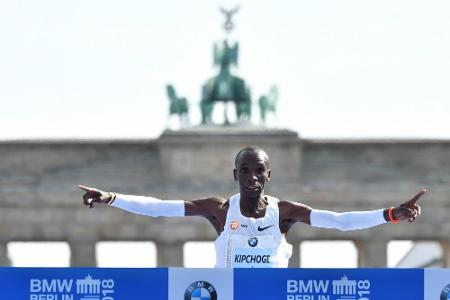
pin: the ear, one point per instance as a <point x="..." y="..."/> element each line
<point x="269" y="172"/>
<point x="235" y="175"/>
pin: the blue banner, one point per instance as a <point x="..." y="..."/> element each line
<point x="82" y="284"/>
<point x="223" y="284"/>
<point x="328" y="284"/>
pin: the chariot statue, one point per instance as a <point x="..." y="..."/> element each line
<point x="226" y="87"/>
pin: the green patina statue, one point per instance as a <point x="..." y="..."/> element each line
<point x="178" y="106"/>
<point x="225" y="86"/>
<point x="268" y="103"/>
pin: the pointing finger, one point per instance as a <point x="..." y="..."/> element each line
<point x="86" y="188"/>
<point x="416" y="197"/>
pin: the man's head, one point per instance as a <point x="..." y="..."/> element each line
<point x="252" y="171"/>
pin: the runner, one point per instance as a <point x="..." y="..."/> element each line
<point x="251" y="225"/>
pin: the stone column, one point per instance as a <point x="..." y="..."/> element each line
<point x="294" y="262"/>
<point x="169" y="254"/>
<point x="4" y="258"/>
<point x="82" y="254"/>
<point x="445" y="244"/>
<point x="372" y="253"/>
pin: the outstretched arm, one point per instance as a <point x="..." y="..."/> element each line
<point x="150" y="206"/>
<point x="295" y="212"/>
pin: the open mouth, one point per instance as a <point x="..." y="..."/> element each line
<point x="252" y="188"/>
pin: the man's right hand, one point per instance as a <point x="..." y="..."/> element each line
<point x="92" y="196"/>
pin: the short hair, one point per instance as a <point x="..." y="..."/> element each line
<point x="252" y="150"/>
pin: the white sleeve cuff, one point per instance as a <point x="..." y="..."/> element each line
<point x="149" y="206"/>
<point x="347" y="220"/>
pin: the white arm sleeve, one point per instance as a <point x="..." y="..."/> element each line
<point x="347" y="220"/>
<point x="149" y="206"/>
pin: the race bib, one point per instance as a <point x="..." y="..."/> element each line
<point x="252" y="252"/>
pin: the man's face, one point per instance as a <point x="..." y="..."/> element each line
<point x="252" y="173"/>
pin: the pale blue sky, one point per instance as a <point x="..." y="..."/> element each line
<point x="349" y="69"/>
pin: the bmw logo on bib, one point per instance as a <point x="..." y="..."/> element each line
<point x="200" y="290"/>
<point x="252" y="242"/>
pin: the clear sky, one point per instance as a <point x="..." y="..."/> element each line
<point x="350" y="68"/>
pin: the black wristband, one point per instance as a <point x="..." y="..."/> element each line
<point x="386" y="215"/>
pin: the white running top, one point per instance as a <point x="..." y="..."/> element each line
<point x="252" y="243"/>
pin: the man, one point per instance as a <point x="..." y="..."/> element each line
<point x="252" y="226"/>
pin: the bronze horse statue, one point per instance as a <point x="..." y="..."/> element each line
<point x="268" y="103"/>
<point x="225" y="87"/>
<point x="178" y="106"/>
